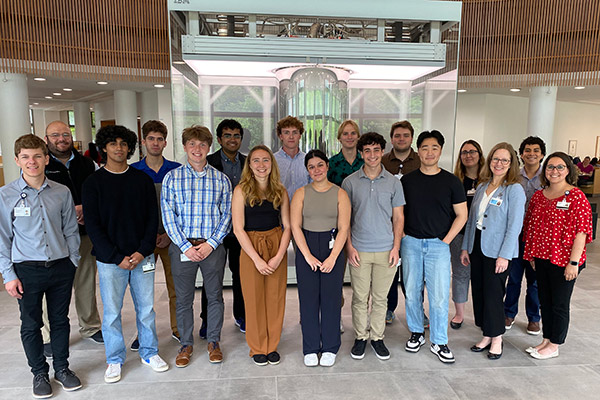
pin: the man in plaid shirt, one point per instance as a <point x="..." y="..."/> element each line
<point x="196" y="210"/>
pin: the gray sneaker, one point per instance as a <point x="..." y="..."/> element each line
<point x="41" y="386"/>
<point x="67" y="379"/>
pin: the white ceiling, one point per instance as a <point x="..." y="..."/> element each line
<point x="589" y="95"/>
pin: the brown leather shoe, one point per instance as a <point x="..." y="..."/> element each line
<point x="183" y="358"/>
<point x="533" y="328"/>
<point x="214" y="353"/>
<point x="508" y="322"/>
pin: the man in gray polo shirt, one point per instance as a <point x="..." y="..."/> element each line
<point x="377" y="201"/>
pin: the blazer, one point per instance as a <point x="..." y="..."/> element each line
<point x="501" y="224"/>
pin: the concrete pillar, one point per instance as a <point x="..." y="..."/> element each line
<point x="540" y="120"/>
<point x="83" y="122"/>
<point x="39" y="122"/>
<point x="14" y="114"/>
<point x="126" y="114"/>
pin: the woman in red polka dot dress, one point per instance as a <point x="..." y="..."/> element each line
<point x="558" y="224"/>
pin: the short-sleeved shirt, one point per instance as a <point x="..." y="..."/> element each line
<point x="340" y="169"/>
<point x="372" y="202"/>
<point x="587" y="170"/>
<point x="401" y="167"/>
<point x="429" y="211"/>
<point x="549" y="232"/>
<point x="292" y="170"/>
<point x="530" y="186"/>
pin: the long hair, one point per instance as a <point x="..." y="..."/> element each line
<point x="459" y="169"/>
<point x="571" y="177"/>
<point x="253" y="195"/>
<point x="512" y="176"/>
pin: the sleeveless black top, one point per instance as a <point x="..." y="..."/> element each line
<point x="261" y="217"/>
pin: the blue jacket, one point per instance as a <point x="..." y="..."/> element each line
<point x="501" y="224"/>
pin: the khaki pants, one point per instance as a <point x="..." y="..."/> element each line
<point x="371" y="279"/>
<point x="264" y="295"/>
<point x="85" y="294"/>
<point x="166" y="260"/>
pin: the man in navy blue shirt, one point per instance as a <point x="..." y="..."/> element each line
<point x="154" y="139"/>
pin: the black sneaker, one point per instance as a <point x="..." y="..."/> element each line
<point x="47" y="350"/>
<point x="97" y="338"/>
<point x="380" y="350"/>
<point x="416" y="341"/>
<point x="67" y="379"/>
<point x="260" y="359"/>
<point x="202" y="331"/>
<point x="41" y="386"/>
<point x="135" y="345"/>
<point x="443" y="352"/>
<point x="273" y="358"/>
<point x="358" y="350"/>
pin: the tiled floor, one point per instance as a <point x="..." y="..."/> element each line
<point x="573" y="375"/>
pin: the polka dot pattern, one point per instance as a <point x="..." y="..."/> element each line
<point x="549" y="232"/>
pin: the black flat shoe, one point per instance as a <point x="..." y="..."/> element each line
<point x="455" y="325"/>
<point x="494" y="356"/>
<point x="476" y="349"/>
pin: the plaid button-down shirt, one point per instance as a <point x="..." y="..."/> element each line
<point x="196" y="205"/>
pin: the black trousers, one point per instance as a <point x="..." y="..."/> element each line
<point x="233" y="248"/>
<point x="555" y="293"/>
<point x="56" y="282"/>
<point x="320" y="296"/>
<point x="488" y="289"/>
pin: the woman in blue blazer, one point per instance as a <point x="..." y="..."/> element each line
<point x="491" y="241"/>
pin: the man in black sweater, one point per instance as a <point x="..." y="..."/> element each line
<point x="68" y="167"/>
<point x="121" y="215"/>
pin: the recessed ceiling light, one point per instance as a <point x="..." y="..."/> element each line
<point x="47" y="97"/>
<point x="179" y="62"/>
<point x="159" y="85"/>
<point x="515" y="90"/>
<point x="461" y="90"/>
<point x="36" y="104"/>
<point x="102" y="83"/>
<point x="67" y="89"/>
<point x="57" y="94"/>
<point x="579" y="87"/>
<point x="39" y="79"/>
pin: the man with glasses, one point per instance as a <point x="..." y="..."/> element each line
<point x="230" y="161"/>
<point x="435" y="212"/>
<point x="68" y="167"/>
<point x="290" y="159"/>
<point x="532" y="151"/>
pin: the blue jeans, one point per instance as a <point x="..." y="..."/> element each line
<point x="427" y="260"/>
<point x="113" y="283"/>
<point x="518" y="267"/>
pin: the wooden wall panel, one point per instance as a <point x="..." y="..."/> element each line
<point x="101" y="39"/>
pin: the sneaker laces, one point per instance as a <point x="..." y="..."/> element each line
<point x="443" y="348"/>
<point x="66" y="372"/>
<point x="414" y="337"/>
<point x="41" y="378"/>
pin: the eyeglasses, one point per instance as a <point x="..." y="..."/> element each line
<point x="468" y="153"/>
<point x="559" y="168"/>
<point x="57" y="135"/>
<point x="502" y="161"/>
<point x="234" y="136"/>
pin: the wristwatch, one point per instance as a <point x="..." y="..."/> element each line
<point x="574" y="263"/>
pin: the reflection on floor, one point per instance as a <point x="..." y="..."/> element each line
<point x="573" y="375"/>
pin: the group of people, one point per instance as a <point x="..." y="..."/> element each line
<point x="394" y="217"/>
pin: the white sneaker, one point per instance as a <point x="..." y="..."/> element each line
<point x="113" y="373"/>
<point x="311" y="360"/>
<point x="327" y="359"/>
<point x="156" y="363"/>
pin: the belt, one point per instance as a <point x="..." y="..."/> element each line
<point x="196" y="242"/>
<point x="46" y="264"/>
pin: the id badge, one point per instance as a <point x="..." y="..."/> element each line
<point x="471" y="192"/>
<point x="22" y="211"/>
<point x="331" y="243"/>
<point x="148" y="265"/>
<point x="563" y="205"/>
<point x="183" y="258"/>
<point x="496" y="202"/>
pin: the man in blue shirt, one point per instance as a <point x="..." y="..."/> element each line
<point x="154" y="139"/>
<point x="290" y="159"/>
<point x="39" y="252"/>
<point x="230" y="161"/>
<point x="196" y="211"/>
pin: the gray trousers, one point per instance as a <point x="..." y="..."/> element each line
<point x="184" y="278"/>
<point x="461" y="275"/>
